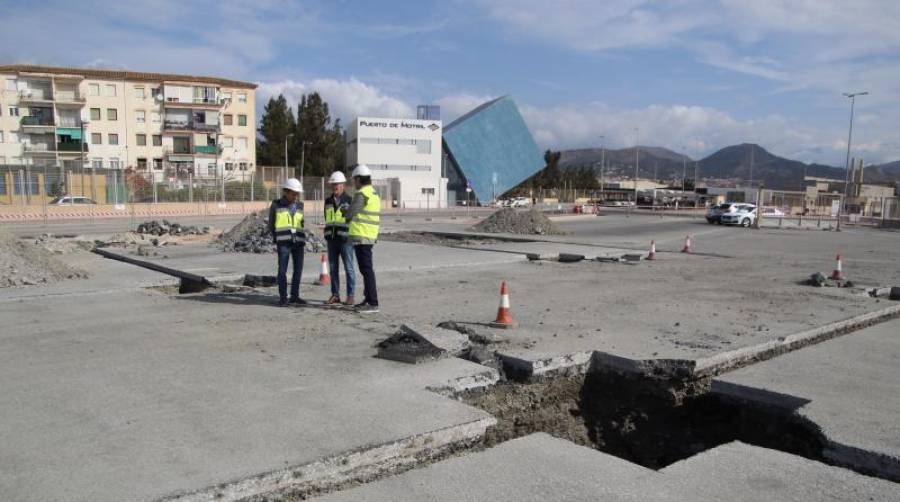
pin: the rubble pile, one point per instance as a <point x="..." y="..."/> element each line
<point x="251" y="235"/>
<point x="23" y="263"/>
<point x="166" y="227"/>
<point x="511" y="221"/>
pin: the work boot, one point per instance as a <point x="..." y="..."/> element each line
<point x="298" y="301"/>
<point x="333" y="300"/>
<point x="365" y="308"/>
<point x="282" y="302"/>
<point x="348" y="301"/>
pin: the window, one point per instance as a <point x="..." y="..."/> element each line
<point x="110" y="90"/>
<point x="229" y="166"/>
<point x="156" y="117"/>
<point x="181" y="144"/>
<point x="29" y="185"/>
<point x="10" y="84"/>
<point x="141" y="163"/>
<point x="242" y="143"/>
<point x="157" y="140"/>
<point x="97" y="163"/>
<point x="154" y="91"/>
<point x="140" y="116"/>
<point x="94" y="89"/>
<point x="228" y="119"/>
<point x="114" y="163"/>
<point x="141" y="139"/>
<point x="113" y="139"/>
<point x="13" y="111"/>
<point x="157" y="164"/>
<point x="242" y="120"/>
<point x="96" y="138"/>
<point x="226" y="95"/>
<point x="423" y="146"/>
<point x="243" y="166"/>
<point x="112" y="114"/>
<point x="140" y="93"/>
<point x="95" y="114"/>
<point x="242" y="97"/>
<point x="227" y="141"/>
<point x="3" y="189"/>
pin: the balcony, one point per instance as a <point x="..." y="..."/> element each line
<point x="69" y="98"/>
<point x="70" y="147"/>
<point x="35" y="96"/>
<point x="37" y="122"/>
<point x="206" y="149"/>
<point x="189" y="126"/>
<point x="39" y="148"/>
<point x="194" y="103"/>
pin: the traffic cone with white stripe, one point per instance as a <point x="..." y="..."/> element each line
<point x="838" y="273"/>
<point x="324" y="278"/>
<point x="504" y="318"/>
<point x="687" y="245"/>
<point x="652" y="255"/>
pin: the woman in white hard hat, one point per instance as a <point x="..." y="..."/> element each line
<point x="364" y="218"/>
<point x="338" y="239"/>
<point x="286" y="227"/>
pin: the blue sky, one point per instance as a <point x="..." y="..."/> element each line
<point x="694" y="75"/>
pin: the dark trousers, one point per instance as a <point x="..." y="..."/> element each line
<point x="289" y="252"/>
<point x="367" y="269"/>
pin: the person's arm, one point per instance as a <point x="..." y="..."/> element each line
<point x="356" y="205"/>
<point x="272" y="220"/>
<point x="300" y="208"/>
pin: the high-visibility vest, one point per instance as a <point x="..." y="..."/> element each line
<point x="365" y="223"/>
<point x="287" y="228"/>
<point x="335" y="223"/>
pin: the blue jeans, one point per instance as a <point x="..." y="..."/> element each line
<point x="367" y="269"/>
<point x="289" y="252"/>
<point x="341" y="250"/>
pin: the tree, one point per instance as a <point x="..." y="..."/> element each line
<point x="324" y="151"/>
<point x="276" y="123"/>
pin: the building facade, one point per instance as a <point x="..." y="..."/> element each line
<point x="405" y="158"/>
<point x="165" y="127"/>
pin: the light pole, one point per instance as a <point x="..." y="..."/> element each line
<point x="83" y="160"/>
<point x="852" y="97"/>
<point x="602" y="164"/>
<point x="683" y="168"/>
<point x="751" y="168"/>
<point x="302" y="159"/>
<point x="285" y="171"/>
<point x="637" y="162"/>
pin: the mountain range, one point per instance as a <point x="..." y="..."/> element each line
<point x="730" y="165"/>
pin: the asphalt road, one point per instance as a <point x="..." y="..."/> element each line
<point x="110" y="225"/>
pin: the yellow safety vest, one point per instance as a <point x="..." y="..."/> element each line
<point x="288" y="229"/>
<point x="335" y="223"/>
<point x="365" y="222"/>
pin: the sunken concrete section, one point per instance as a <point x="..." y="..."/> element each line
<point x="847" y="387"/>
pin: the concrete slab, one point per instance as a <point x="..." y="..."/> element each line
<point x="849" y="386"/>
<point x="142" y="395"/>
<point x="539" y="468"/>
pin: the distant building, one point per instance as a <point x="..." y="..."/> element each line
<point x="162" y="125"/>
<point x="489" y="150"/>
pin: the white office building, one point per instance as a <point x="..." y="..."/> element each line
<point x="405" y="158"/>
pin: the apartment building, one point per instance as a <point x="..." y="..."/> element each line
<point x="166" y="127"/>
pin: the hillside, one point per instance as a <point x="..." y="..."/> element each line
<point x="665" y="163"/>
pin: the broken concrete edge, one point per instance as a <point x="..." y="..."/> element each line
<point x="410" y="344"/>
<point x="869" y="462"/>
<point x="733" y="359"/>
<point x="355" y="466"/>
<point x="524" y="370"/>
<point x="481" y="380"/>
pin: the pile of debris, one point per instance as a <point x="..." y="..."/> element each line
<point x="251" y="235"/>
<point x="511" y="221"/>
<point x="820" y="280"/>
<point x="24" y="263"/>
<point x="166" y="227"/>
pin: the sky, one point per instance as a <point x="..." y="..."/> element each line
<point x="691" y="75"/>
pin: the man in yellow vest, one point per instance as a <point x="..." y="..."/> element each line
<point x="338" y="239"/>
<point x="364" y="218"/>
<point x="286" y="227"/>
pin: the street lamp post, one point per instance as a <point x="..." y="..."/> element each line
<point x="83" y="160"/>
<point x="302" y="159"/>
<point x="637" y="162"/>
<point x="285" y="171"/>
<point x="602" y="164"/>
<point x="852" y="97"/>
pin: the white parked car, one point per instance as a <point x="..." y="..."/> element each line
<point x="743" y="215"/>
<point x="520" y="202"/>
<point x="772" y="212"/>
<point x="62" y="201"/>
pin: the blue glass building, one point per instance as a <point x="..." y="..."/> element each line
<point x="490" y="150"/>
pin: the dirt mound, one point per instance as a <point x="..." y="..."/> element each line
<point x="251" y="235"/>
<point x="24" y="263"/>
<point x="510" y="221"/>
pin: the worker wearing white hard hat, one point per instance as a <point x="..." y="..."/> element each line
<point x="286" y="226"/>
<point x="364" y="217"/>
<point x="338" y="239"/>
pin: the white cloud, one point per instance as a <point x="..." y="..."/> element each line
<point x="346" y="99"/>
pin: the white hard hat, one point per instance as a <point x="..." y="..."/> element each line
<point x="293" y="184"/>
<point x="337" y="177"/>
<point x="362" y="170"/>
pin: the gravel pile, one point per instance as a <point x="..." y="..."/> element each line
<point x="510" y="221"/>
<point x="166" y="227"/>
<point x="24" y="263"/>
<point x="252" y="235"/>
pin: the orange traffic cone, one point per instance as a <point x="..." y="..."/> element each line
<point x="504" y="318"/>
<point x="687" y="245"/>
<point x="324" y="278"/>
<point x="838" y="273"/>
<point x="652" y="255"/>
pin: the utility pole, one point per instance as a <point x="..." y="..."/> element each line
<point x="285" y="171"/>
<point x="302" y="159"/>
<point x="852" y="97"/>
<point x="751" y="167"/>
<point x="602" y="164"/>
<point x="637" y="162"/>
<point x="683" y="169"/>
